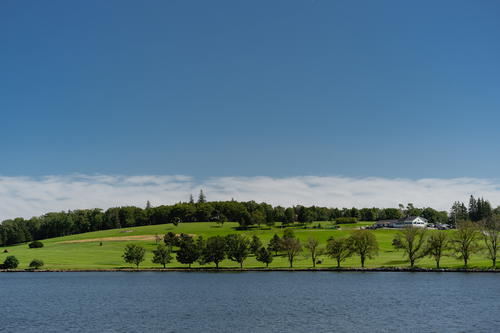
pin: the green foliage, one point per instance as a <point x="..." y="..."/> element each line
<point x="189" y="251"/>
<point x="35" y="245"/>
<point x="10" y="262"/>
<point x="134" y="254"/>
<point x="36" y="263"/>
<point x="339" y="249"/>
<point x="162" y="255"/>
<point x="490" y="232"/>
<point x="292" y="247"/>
<point x="346" y="220"/>
<point x="275" y="244"/>
<point x="237" y="248"/>
<point x="255" y="244"/>
<point x="437" y="244"/>
<point x="312" y="245"/>
<point x="464" y="241"/>
<point x="214" y="250"/>
<point x="288" y="233"/>
<point x="411" y="240"/>
<point x="364" y="244"/>
<point x="265" y="256"/>
<point x="201" y="197"/>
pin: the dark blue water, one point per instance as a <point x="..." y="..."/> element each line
<point x="249" y="302"/>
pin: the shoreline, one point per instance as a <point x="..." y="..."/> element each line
<point x="243" y="270"/>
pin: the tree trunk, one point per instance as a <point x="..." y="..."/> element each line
<point x="362" y="262"/>
<point x="437" y="263"/>
<point x="314" y="262"/>
<point x="164" y="265"/>
<point x="189" y="265"/>
<point x="267" y="265"/>
<point x="241" y="265"/>
<point x="465" y="262"/>
<point x="412" y="263"/>
<point x="338" y="262"/>
<point x="217" y="265"/>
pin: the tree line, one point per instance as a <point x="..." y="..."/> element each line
<point x="416" y="243"/>
<point x="238" y="248"/>
<point x="247" y="214"/>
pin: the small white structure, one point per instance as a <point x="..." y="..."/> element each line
<point x="411" y="221"/>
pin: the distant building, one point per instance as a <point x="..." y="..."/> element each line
<point x="413" y="221"/>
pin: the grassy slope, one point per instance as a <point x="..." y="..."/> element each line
<point x="90" y="255"/>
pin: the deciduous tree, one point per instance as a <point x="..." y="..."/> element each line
<point x="237" y="248"/>
<point x="411" y="240"/>
<point x="134" y="254"/>
<point x="490" y="232"/>
<point x="464" y="241"/>
<point x="312" y="245"/>
<point x="437" y="243"/>
<point x="339" y="249"/>
<point x="162" y="255"/>
<point x="364" y="244"/>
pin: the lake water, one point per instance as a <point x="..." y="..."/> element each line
<point x="250" y="302"/>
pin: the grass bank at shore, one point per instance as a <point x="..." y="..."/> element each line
<point x="83" y="252"/>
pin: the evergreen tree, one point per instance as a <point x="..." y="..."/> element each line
<point x="191" y="199"/>
<point x="202" y="198"/>
<point x="275" y="244"/>
<point x="265" y="256"/>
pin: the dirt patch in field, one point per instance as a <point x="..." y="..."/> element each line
<point x="117" y="239"/>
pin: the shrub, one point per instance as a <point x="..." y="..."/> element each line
<point x="343" y="220"/>
<point x="10" y="262"/>
<point x="35" y="245"/>
<point x="36" y="263"/>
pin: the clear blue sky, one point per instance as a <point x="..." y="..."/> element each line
<point x="276" y="88"/>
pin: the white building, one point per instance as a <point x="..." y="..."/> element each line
<point x="411" y="221"/>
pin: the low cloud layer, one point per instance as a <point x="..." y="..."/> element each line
<point x="26" y="197"/>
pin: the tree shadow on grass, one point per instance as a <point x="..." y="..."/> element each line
<point x="396" y="262"/>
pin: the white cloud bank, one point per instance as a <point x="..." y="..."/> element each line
<point x="26" y="197"/>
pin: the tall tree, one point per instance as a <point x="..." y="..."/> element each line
<point x="339" y="249"/>
<point x="364" y="244"/>
<point x="490" y="232"/>
<point x="214" y="250"/>
<point x="411" y="240"/>
<point x="134" y="254"/>
<point x="162" y="255"/>
<point x="437" y="243"/>
<point x="237" y="248"/>
<point x="201" y="197"/>
<point x="464" y="241"/>
<point x="458" y="212"/>
<point x="191" y="199"/>
<point x="312" y="245"/>
<point x="189" y="251"/>
<point x="292" y="247"/>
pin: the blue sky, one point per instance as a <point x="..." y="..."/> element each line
<point x="250" y="88"/>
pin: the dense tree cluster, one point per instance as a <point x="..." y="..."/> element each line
<point x="251" y="213"/>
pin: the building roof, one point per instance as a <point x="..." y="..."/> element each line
<point x="411" y="219"/>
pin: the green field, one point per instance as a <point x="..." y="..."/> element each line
<point x="58" y="253"/>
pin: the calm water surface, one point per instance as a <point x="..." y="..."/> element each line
<point x="249" y="302"/>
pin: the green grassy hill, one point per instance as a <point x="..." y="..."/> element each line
<point x="83" y="251"/>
